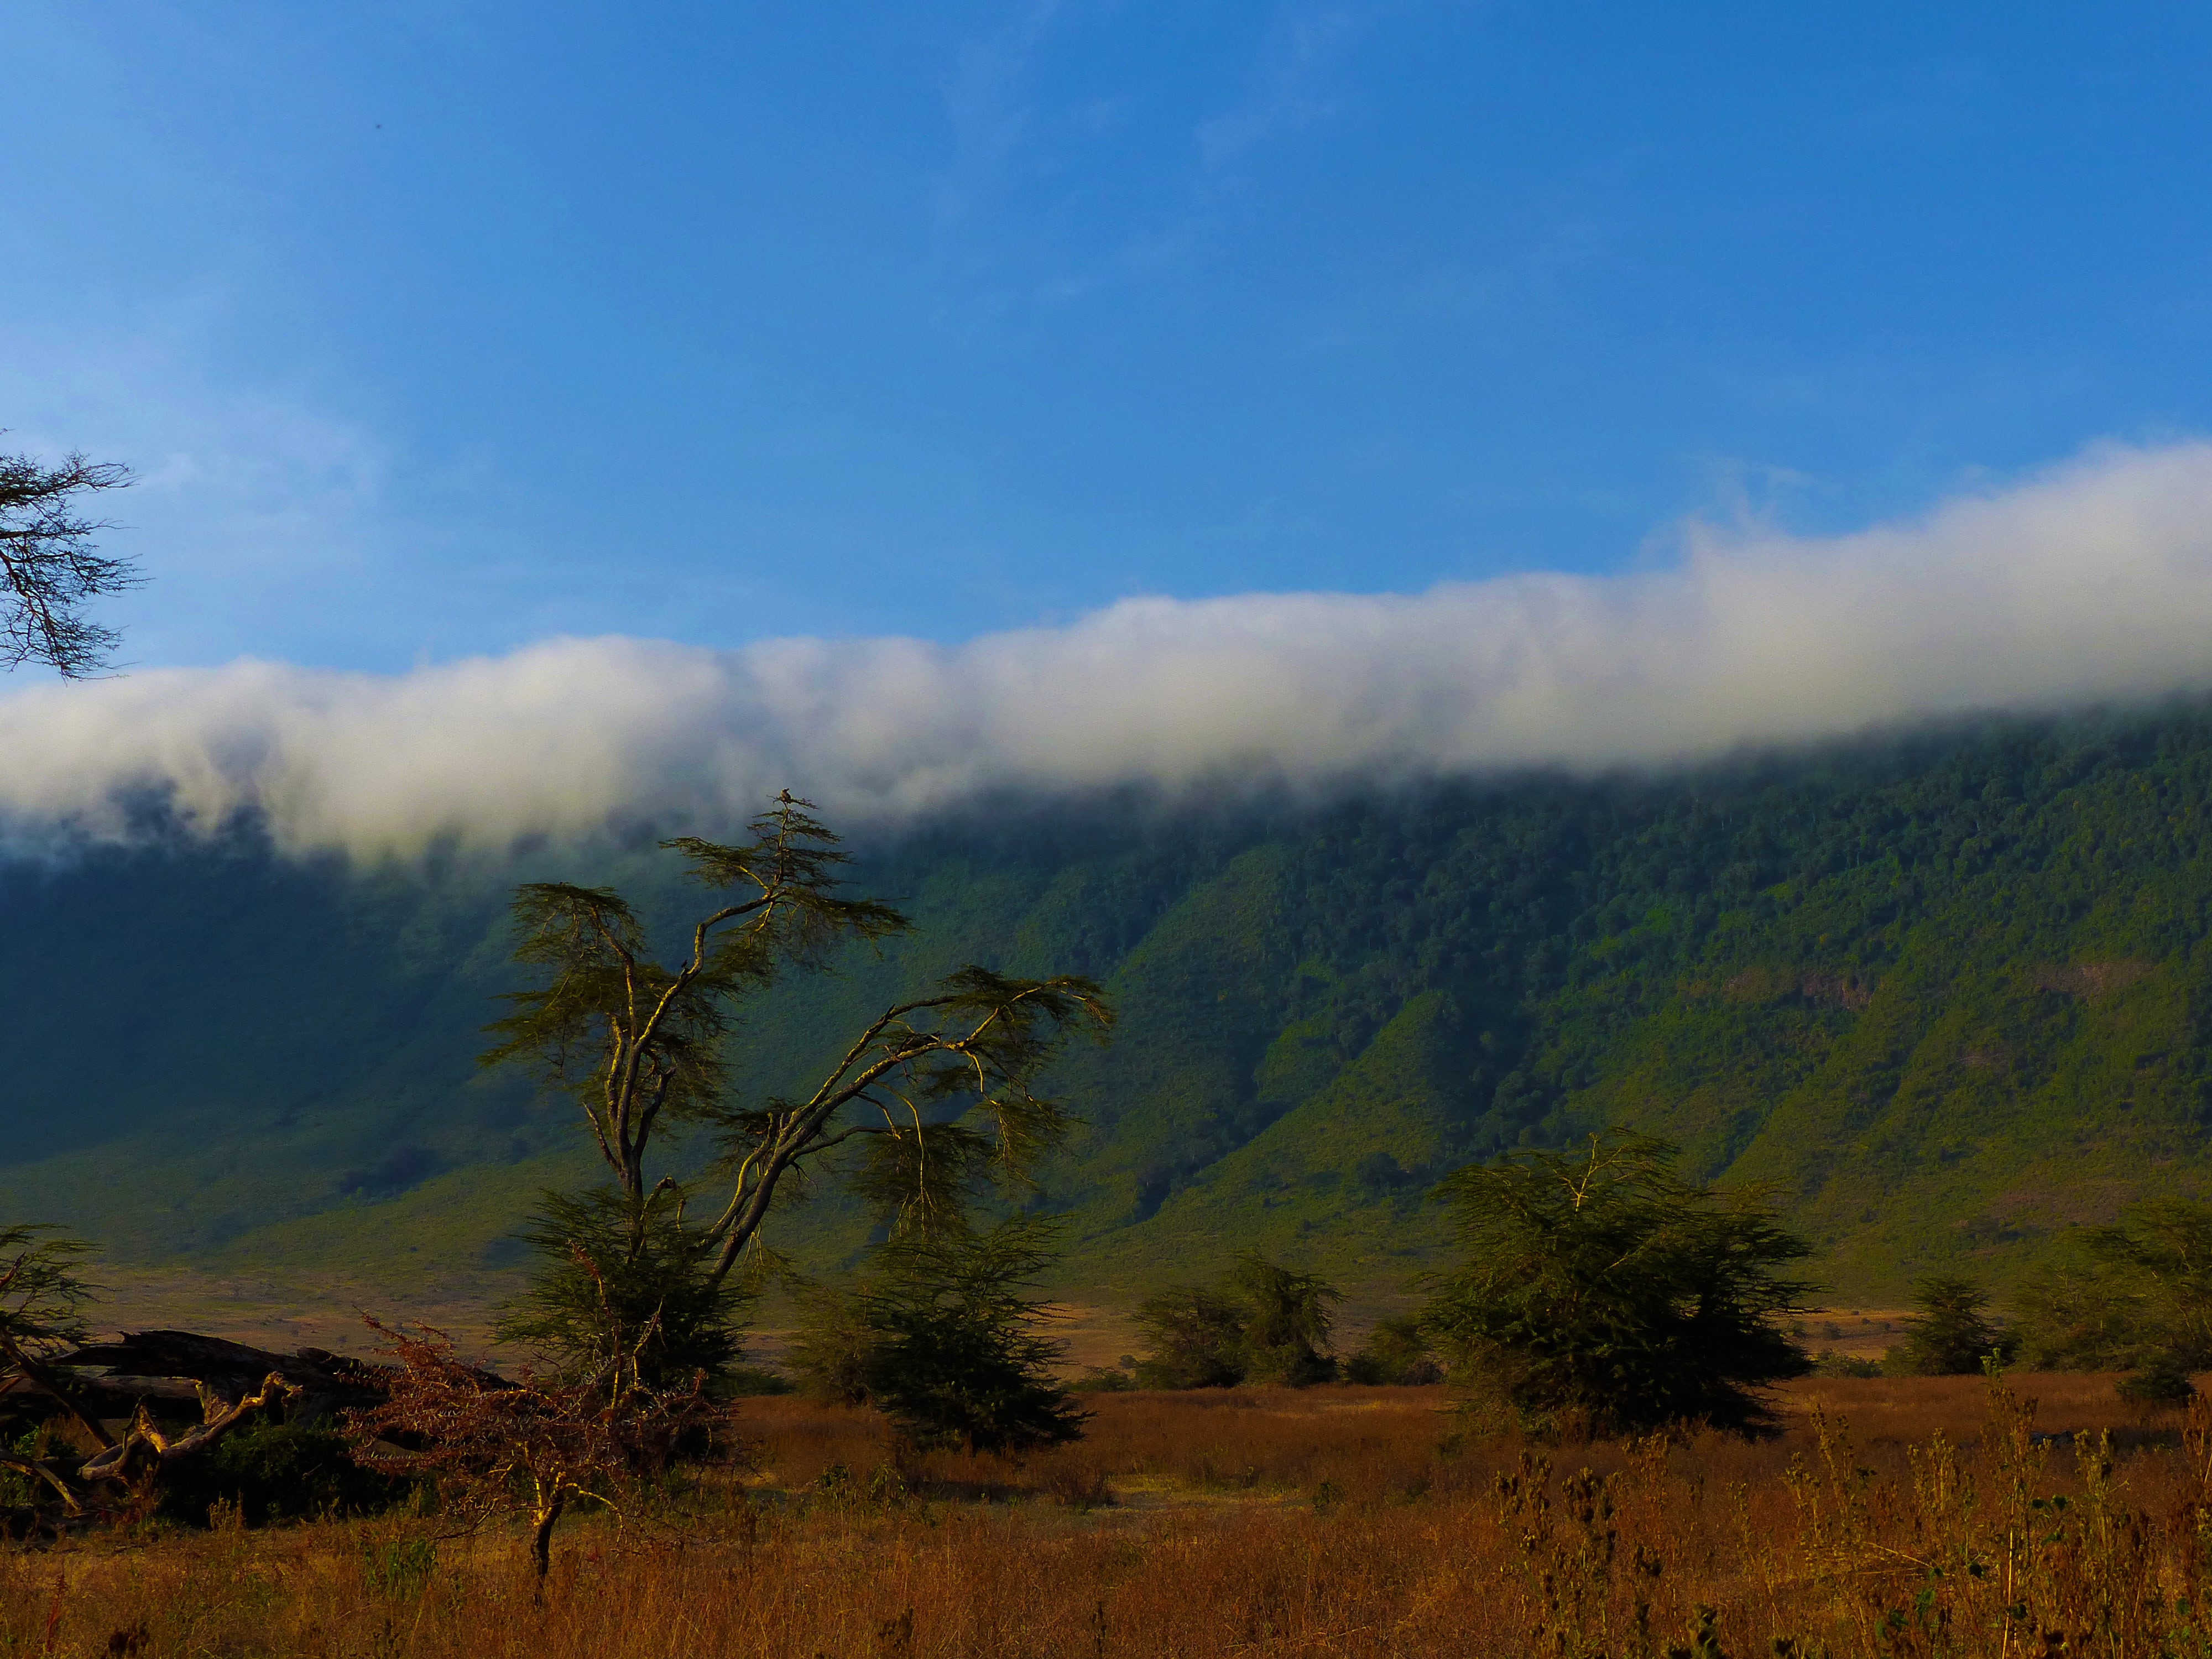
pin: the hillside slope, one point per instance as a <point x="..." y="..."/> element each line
<point x="1947" y="993"/>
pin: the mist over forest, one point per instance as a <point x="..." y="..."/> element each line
<point x="2087" y="583"/>
<point x="1944" y="989"/>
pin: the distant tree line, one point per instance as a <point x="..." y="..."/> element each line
<point x="2134" y="1297"/>
<point x="1597" y="1290"/>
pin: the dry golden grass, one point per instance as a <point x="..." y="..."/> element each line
<point x="1349" y="1522"/>
<point x="1364" y="1442"/>
<point x="1860" y="1332"/>
<point x="1911" y="1408"/>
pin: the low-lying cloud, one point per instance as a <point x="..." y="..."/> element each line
<point x="2092" y="582"/>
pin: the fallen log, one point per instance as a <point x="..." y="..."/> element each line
<point x="121" y="1478"/>
<point x="145" y="1450"/>
<point x="127" y="1397"/>
<point x="323" y="1383"/>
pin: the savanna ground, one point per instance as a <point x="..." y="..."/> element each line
<point x="1919" y="1516"/>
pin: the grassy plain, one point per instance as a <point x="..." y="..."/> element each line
<point x="1894" y="1516"/>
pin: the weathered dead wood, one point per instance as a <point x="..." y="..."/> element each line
<point x="117" y="1479"/>
<point x="114" y="1390"/>
<point x="324" y="1384"/>
<point x="145" y="1450"/>
<point x="45" y="1471"/>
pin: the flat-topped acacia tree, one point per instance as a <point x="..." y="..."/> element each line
<point x="931" y="1098"/>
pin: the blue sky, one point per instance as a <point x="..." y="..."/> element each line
<point x="437" y="329"/>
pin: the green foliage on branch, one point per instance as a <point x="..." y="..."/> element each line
<point x="1951" y="1332"/>
<point x="2136" y="1296"/>
<point x="1598" y="1288"/>
<point x="638" y="1042"/>
<point x="944" y="1335"/>
<point x="935" y="1098"/>
<point x="43" y="1295"/>
<point x="1259" y="1323"/>
<point x="616" y="1282"/>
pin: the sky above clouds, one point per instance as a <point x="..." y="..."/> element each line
<point x="438" y="330"/>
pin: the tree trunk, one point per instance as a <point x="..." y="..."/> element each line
<point x="541" y="1539"/>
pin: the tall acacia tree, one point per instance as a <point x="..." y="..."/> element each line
<point x="936" y="1094"/>
<point x="50" y="568"/>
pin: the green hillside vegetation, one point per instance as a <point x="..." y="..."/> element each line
<point x="1948" y="993"/>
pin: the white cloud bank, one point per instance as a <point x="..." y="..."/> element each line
<point x="2091" y="581"/>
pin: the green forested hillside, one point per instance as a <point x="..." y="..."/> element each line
<point x="1948" y="993"/>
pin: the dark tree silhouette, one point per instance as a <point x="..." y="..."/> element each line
<point x="1259" y="1322"/>
<point x="50" y="568"/>
<point x="1599" y="1289"/>
<point x="945" y="1337"/>
<point x="1951" y="1334"/>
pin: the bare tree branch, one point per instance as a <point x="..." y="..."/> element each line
<point x="50" y="568"/>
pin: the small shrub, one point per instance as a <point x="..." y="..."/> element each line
<point x="525" y="1446"/>
<point x="1197" y="1340"/>
<point x="1261" y="1323"/>
<point x="276" y="1471"/>
<point x="831" y="1357"/>
<point x="955" y="1358"/>
<point x="398" y="1568"/>
<point x="1286" y="1324"/>
<point x="1395" y="1353"/>
<point x="882" y="1487"/>
<point x="632" y="1284"/>
<point x="942" y="1337"/>
<point x="1600" y="1291"/>
<point x="1076" y="1485"/>
<point x="1829" y="1362"/>
<point x="2163" y="1381"/>
<point x="1103" y="1379"/>
<point x="1950" y="1333"/>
